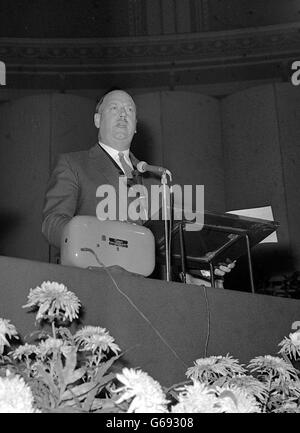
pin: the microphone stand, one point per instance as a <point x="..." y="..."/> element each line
<point x="142" y="166"/>
<point x="165" y="216"/>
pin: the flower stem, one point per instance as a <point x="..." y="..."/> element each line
<point x="270" y="378"/>
<point x="53" y="329"/>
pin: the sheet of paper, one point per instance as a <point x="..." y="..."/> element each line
<point x="264" y="213"/>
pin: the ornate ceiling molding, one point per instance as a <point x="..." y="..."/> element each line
<point x="151" y="54"/>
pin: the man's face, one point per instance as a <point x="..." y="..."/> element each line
<point x="116" y="120"/>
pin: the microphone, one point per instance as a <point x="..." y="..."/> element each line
<point x="142" y="167"/>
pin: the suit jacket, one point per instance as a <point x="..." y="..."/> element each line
<point x="72" y="186"/>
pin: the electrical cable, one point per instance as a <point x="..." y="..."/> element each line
<point x="135" y="306"/>
<point x="208" y="321"/>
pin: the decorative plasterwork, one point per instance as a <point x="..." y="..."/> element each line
<point x="153" y="54"/>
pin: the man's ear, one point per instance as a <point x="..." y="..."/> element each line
<point x="97" y="118"/>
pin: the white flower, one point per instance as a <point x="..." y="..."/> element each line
<point x="289" y="407"/>
<point x="287" y="389"/>
<point x="233" y="399"/>
<point x="147" y="394"/>
<point x="24" y="351"/>
<point x="213" y="367"/>
<point x="273" y="365"/>
<point x="6" y="328"/>
<point x="251" y="385"/>
<point x="291" y="345"/>
<point x="196" y="398"/>
<point x="295" y="338"/>
<point x="51" y="345"/>
<point x="294" y="388"/>
<point x="15" y="395"/>
<point x="95" y="339"/>
<point x="53" y="300"/>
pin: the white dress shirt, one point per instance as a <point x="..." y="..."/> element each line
<point x="114" y="153"/>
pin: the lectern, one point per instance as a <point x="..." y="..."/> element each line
<point x="222" y="236"/>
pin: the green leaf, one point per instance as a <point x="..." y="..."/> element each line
<point x="66" y="409"/>
<point x="76" y="375"/>
<point x="220" y="382"/>
<point x="79" y="390"/>
<point x="101" y="380"/>
<point x="105" y="405"/>
<point x="92" y="394"/>
<point x="48" y="380"/>
<point x="58" y="368"/>
<point x="105" y="379"/>
<point x="70" y="364"/>
<point x="69" y="374"/>
<point x="105" y="366"/>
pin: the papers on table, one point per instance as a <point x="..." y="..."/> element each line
<point x="264" y="213"/>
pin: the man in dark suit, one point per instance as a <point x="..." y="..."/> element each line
<point x="72" y="188"/>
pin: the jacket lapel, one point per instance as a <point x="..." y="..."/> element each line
<point x="104" y="165"/>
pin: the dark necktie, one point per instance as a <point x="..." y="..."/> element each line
<point x="128" y="173"/>
<point x="126" y="167"/>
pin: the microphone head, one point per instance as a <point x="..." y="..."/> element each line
<point x="141" y="166"/>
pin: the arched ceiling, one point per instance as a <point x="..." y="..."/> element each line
<point x="121" y="18"/>
<point x="140" y="43"/>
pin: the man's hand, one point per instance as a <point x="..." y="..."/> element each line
<point x="224" y="268"/>
<point x="220" y="271"/>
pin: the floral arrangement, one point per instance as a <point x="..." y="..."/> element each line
<point x="71" y="372"/>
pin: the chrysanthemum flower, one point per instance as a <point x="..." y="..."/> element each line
<point x="15" y="395"/>
<point x="6" y="329"/>
<point x="273" y="365"/>
<point x="233" y="399"/>
<point x="249" y="384"/>
<point x="289" y="407"/>
<point x="51" y="345"/>
<point x="24" y="350"/>
<point x="196" y="398"/>
<point x="291" y="345"/>
<point x="294" y="388"/>
<point x="54" y="301"/>
<point x="287" y="388"/>
<point x="295" y="338"/>
<point x="95" y="339"/>
<point x="213" y="367"/>
<point x="146" y="393"/>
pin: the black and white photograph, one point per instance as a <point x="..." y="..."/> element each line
<point x="150" y="208"/>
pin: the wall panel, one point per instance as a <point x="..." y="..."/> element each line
<point x="192" y="147"/>
<point x="147" y="143"/>
<point x="252" y="153"/>
<point x="33" y="130"/>
<point x="254" y="169"/>
<point x="72" y="124"/>
<point x="288" y="111"/>
<point x="24" y="167"/>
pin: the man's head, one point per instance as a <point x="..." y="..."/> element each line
<point x="115" y="118"/>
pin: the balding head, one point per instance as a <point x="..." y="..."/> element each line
<point x="116" y="119"/>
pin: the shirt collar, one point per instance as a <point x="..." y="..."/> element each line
<point x="114" y="153"/>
